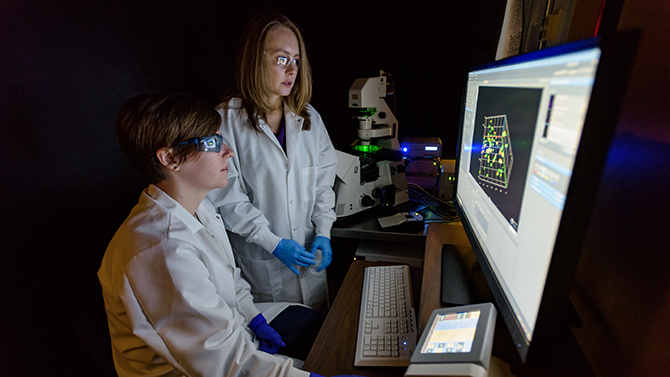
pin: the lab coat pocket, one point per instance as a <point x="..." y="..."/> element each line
<point x="309" y="175"/>
<point x="264" y="277"/>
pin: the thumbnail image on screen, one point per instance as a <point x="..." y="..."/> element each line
<point x="452" y="333"/>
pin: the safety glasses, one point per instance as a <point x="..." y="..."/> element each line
<point x="285" y="61"/>
<point x="210" y="143"/>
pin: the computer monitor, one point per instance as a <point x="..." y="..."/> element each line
<point x="535" y="131"/>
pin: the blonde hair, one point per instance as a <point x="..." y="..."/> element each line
<point x="252" y="76"/>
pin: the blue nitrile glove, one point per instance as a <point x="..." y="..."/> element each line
<point x="323" y="243"/>
<point x="291" y="252"/>
<point x="268" y="338"/>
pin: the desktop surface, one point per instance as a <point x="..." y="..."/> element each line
<point x="364" y="226"/>
<point x="333" y="352"/>
<point x="334" y="349"/>
<point x="402" y="244"/>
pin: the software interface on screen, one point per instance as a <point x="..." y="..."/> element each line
<point x="522" y="126"/>
<point x="452" y="333"/>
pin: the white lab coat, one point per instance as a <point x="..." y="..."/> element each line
<point x="175" y="301"/>
<point x="273" y="195"/>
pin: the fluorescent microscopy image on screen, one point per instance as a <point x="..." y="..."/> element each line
<point x="495" y="163"/>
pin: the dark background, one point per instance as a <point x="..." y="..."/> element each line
<point x="66" y="67"/>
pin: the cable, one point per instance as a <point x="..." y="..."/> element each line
<point x="436" y="161"/>
<point x="418" y="194"/>
<point x="426" y="193"/>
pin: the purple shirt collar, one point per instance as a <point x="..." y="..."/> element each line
<point x="281" y="136"/>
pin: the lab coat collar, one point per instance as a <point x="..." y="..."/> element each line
<point x="293" y="127"/>
<point x="294" y="119"/>
<point x="293" y="124"/>
<point x="175" y="208"/>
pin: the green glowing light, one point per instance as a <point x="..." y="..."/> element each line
<point x="367" y="112"/>
<point x="368" y="148"/>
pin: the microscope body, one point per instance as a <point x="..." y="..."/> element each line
<point x="372" y="172"/>
<point x="364" y="182"/>
<point x="375" y="120"/>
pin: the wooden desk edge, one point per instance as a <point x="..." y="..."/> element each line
<point x="328" y="357"/>
<point x="438" y="234"/>
<point x="342" y="328"/>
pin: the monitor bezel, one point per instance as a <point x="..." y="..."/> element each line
<point x="599" y="127"/>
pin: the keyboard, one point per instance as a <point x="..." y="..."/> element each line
<point x="387" y="331"/>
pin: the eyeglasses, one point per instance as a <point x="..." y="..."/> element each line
<point x="285" y="61"/>
<point x="210" y="143"/>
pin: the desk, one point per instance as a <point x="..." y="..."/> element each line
<point x="403" y="244"/>
<point x="453" y="234"/>
<point x="334" y="348"/>
<point x="363" y="226"/>
<point x="439" y="234"/>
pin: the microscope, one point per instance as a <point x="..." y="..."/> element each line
<point x="371" y="172"/>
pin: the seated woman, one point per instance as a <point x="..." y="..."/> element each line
<point x="175" y="301"/>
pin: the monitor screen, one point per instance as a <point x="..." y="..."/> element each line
<point x="457" y="335"/>
<point x="452" y="333"/>
<point x="522" y="127"/>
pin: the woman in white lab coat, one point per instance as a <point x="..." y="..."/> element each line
<point x="175" y="301"/>
<point x="278" y="207"/>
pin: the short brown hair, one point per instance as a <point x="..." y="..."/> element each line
<point x="252" y="76"/>
<point x="151" y="121"/>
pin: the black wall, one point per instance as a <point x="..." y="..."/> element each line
<point x="66" y="67"/>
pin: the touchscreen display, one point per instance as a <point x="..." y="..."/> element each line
<point x="452" y="333"/>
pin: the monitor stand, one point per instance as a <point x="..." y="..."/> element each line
<point x="458" y="287"/>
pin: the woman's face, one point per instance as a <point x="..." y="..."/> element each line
<point x="209" y="170"/>
<point x="282" y="53"/>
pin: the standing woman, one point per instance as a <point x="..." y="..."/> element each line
<point x="278" y="207"/>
